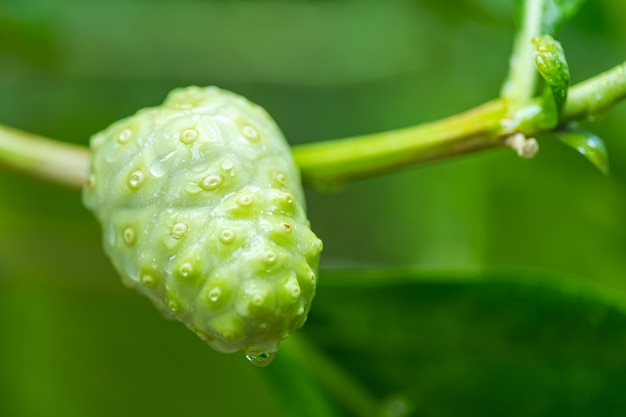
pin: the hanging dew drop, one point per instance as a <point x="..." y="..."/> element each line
<point x="261" y="359"/>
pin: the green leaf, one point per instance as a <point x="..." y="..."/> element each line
<point x="508" y="343"/>
<point x="552" y="65"/>
<point x="72" y="351"/>
<point x="536" y="18"/>
<point x="587" y="144"/>
<point x="299" y="373"/>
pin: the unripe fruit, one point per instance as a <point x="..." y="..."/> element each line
<point x="202" y="211"/>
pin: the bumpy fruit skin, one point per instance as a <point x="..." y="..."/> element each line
<point x="202" y="211"/>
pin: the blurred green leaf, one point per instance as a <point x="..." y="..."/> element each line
<point x="327" y="42"/>
<point x="587" y="144"/>
<point x="77" y="352"/>
<point x="552" y="65"/>
<point x="508" y="343"/>
<point x="295" y="378"/>
<point x="28" y="39"/>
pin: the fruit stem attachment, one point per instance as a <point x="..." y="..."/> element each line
<point x="58" y="162"/>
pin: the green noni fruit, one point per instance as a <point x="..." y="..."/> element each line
<point x="202" y="210"/>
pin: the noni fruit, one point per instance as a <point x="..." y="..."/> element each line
<point x="202" y="210"/>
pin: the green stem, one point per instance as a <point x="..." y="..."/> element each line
<point x="596" y="95"/>
<point x="331" y="163"/>
<point x="521" y="81"/>
<point x="44" y="158"/>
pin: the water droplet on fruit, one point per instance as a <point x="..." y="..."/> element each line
<point x="227" y="165"/>
<point x="135" y="179"/>
<point x="261" y="359"/>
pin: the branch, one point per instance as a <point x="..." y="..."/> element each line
<point x="521" y="81"/>
<point x="43" y="158"/>
<point x="330" y="164"/>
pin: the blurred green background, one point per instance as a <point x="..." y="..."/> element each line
<point x="509" y="287"/>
